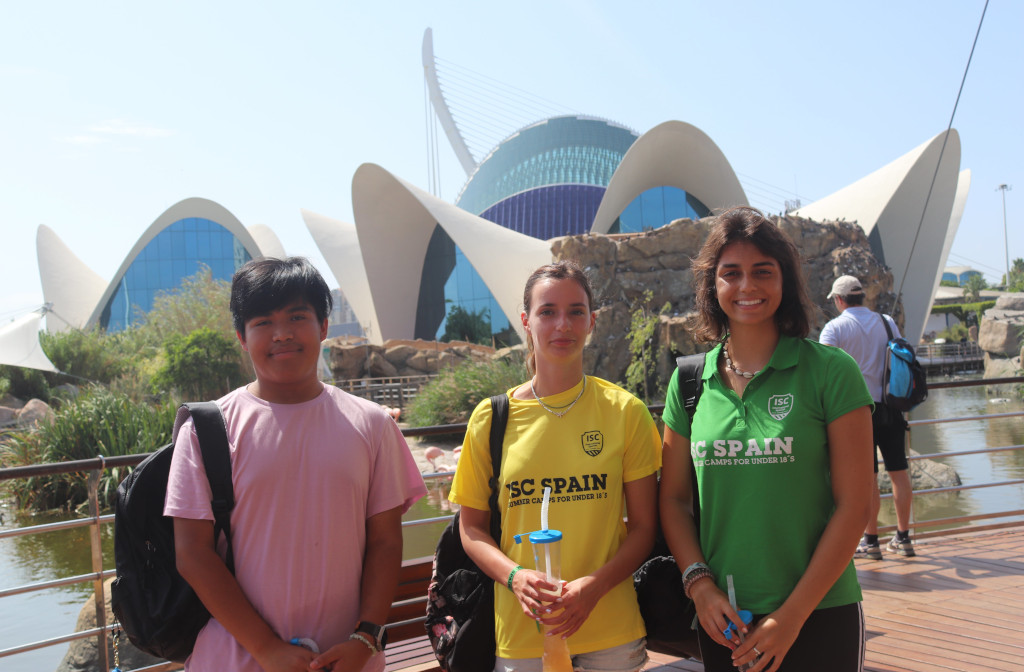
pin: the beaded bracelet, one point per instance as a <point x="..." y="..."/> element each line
<point x="512" y="575"/>
<point x="693" y="577"/>
<point x="365" y="640"/>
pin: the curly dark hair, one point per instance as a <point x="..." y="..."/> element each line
<point x="793" y="317"/>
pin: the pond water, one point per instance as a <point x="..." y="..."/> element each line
<point x="51" y="613"/>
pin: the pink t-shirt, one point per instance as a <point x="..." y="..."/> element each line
<point x="306" y="478"/>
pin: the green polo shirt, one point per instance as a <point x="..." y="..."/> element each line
<point x="762" y="468"/>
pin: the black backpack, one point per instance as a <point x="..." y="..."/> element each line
<point x="904" y="382"/>
<point x="156" y="608"/>
<point x="667" y="612"/>
<point x="460" y="597"/>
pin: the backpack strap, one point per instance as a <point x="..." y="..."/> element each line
<point x="499" y="420"/>
<point x="213" y="441"/>
<point x="885" y="323"/>
<point x="691" y="384"/>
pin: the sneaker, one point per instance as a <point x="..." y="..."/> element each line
<point x="866" y="550"/>
<point x="901" y="547"/>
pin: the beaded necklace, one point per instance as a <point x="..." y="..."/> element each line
<point x="732" y="367"/>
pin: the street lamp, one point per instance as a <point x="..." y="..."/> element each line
<point x="1006" y="241"/>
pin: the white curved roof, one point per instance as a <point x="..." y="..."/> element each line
<point x="267" y="241"/>
<point x="339" y="244"/>
<point x="190" y="207"/>
<point x="888" y="205"/>
<point x="70" y="287"/>
<point x="673" y="154"/>
<point x="19" y="343"/>
<point x="394" y="223"/>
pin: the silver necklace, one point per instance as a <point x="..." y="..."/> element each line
<point x="567" y="407"/>
<point x="732" y="367"/>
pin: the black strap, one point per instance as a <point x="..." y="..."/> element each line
<point x="691" y="384"/>
<point x="888" y="331"/>
<point x="213" y="441"/>
<point x="499" y="419"/>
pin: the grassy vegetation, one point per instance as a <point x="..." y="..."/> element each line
<point x="453" y="395"/>
<point x="97" y="422"/>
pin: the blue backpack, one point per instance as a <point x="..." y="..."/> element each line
<point x="904" y="383"/>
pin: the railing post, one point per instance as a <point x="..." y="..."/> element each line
<point x="97" y="565"/>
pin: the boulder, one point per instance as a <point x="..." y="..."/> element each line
<point x="34" y="411"/>
<point x="924" y="474"/>
<point x="622" y="267"/>
<point x="83" y="654"/>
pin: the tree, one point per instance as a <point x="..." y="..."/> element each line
<point x="463" y="325"/>
<point x="202" y="365"/>
<point x="973" y="287"/>
<point x="1016" y="280"/>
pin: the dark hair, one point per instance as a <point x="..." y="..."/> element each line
<point x="566" y="269"/>
<point x="793" y="317"/>
<point x="264" y="285"/>
<point x="853" y="299"/>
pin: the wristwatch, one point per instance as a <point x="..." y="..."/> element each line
<point x="378" y="633"/>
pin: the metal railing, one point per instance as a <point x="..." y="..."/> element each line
<point x="950" y="357"/>
<point x="95" y="467"/>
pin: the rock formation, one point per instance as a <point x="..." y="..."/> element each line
<point x="623" y="267"/>
<point x="399" y="357"/>
<point x="1001" y="336"/>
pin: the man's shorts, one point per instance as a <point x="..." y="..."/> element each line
<point x="890" y="432"/>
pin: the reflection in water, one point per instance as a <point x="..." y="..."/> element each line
<point x="973" y="469"/>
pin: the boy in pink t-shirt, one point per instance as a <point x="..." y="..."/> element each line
<point x="321" y="481"/>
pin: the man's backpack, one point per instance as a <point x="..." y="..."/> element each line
<point x="904" y="383"/>
<point x="156" y="608"/>
<point x="667" y="612"/>
<point x="460" y="597"/>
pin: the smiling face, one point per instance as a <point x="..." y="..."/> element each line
<point x="558" y="321"/>
<point x="748" y="284"/>
<point x="285" y="348"/>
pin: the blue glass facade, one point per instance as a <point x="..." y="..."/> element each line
<point x="174" y="254"/>
<point x="657" y="207"/>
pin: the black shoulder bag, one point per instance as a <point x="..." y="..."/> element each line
<point x="460" y="597"/>
<point x="667" y="612"/>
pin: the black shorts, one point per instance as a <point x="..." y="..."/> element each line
<point x="890" y="431"/>
<point x="832" y="639"/>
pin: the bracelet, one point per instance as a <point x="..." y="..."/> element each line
<point x="693" y="567"/>
<point x="365" y="640"/>
<point x="695" y="576"/>
<point x="512" y="575"/>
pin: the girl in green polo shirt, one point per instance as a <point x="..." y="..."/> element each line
<point x="780" y="444"/>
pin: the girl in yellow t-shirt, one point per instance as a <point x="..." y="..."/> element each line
<point x="597" y="448"/>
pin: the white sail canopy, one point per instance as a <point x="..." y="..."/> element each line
<point x="19" y="343"/>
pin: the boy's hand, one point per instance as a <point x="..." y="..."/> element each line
<point x="348" y="656"/>
<point x="280" y="656"/>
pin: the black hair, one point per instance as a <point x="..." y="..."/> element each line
<point x="853" y="299"/>
<point x="264" y="285"/>
<point x="793" y="316"/>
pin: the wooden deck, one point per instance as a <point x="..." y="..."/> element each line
<point x="957" y="605"/>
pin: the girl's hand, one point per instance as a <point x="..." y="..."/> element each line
<point x="572" y="609"/>
<point x="349" y="656"/>
<point x="280" y="656"/>
<point x="772" y="637"/>
<point x="715" y="613"/>
<point x="535" y="593"/>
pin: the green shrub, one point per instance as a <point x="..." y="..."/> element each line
<point x="452" y="396"/>
<point x="98" y="422"/>
<point x="202" y="365"/>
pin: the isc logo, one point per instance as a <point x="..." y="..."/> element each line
<point x="593" y="443"/>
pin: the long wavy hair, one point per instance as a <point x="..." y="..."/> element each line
<point x="793" y="317"/>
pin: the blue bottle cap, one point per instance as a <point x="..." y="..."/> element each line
<point x="745" y="615"/>
<point x="540" y="537"/>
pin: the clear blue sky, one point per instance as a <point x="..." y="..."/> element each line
<point x="114" y="111"/>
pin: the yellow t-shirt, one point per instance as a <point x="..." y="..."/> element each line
<point x="607" y="439"/>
